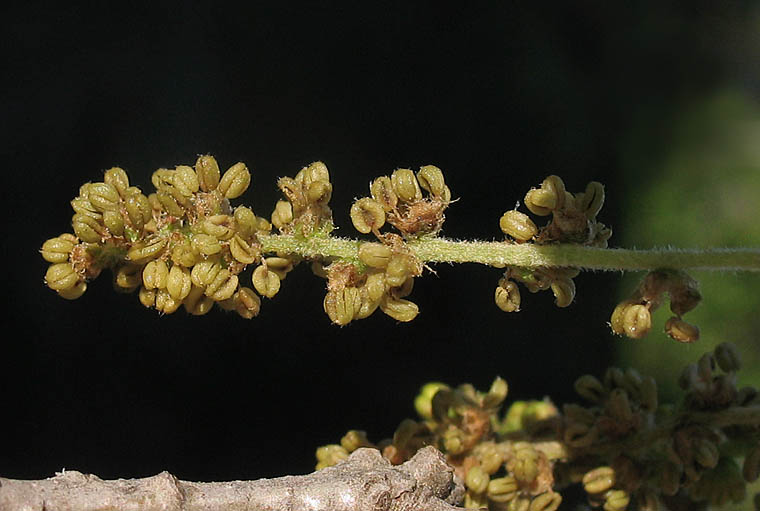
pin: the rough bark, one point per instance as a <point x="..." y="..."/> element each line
<point x="363" y="482"/>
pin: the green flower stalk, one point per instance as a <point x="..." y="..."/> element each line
<point x="186" y="245"/>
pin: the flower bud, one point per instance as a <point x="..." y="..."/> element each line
<point x="547" y="501"/>
<point x="476" y="479"/>
<point x="87" y="228"/>
<point x="502" y="489"/>
<point x="319" y="192"/>
<point x="204" y="272"/>
<point x="342" y="305"/>
<point x="206" y="244"/>
<point x="282" y="214"/>
<point x="375" y="255"/>
<point x="223" y="286"/>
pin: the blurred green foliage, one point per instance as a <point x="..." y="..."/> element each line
<point x="693" y="183"/>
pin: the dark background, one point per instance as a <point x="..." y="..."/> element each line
<point x="498" y="95"/>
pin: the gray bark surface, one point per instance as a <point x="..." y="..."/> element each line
<point x="363" y="482"/>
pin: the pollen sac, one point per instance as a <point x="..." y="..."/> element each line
<point x="518" y="225"/>
<point x="367" y="215"/>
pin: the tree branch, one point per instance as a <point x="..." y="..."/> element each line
<point x="364" y="482"/>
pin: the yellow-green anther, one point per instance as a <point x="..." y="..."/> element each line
<point x="223" y="286"/>
<point x="56" y="250"/>
<point x="183" y="254"/>
<point x="185" y="180"/>
<point x="502" y="489"/>
<point x="104" y="197"/>
<point x="61" y="276"/>
<point x="354" y="439"/>
<point x="137" y="206"/>
<point x="398" y="270"/>
<point x="316" y="171"/>
<point x="169" y="203"/>
<point x="162" y="178"/>
<point x="116" y="177"/>
<point x="616" y="320"/>
<point x="524" y="464"/>
<point x="619" y="406"/>
<point x="727" y="356"/>
<point x="547" y="501"/>
<point x="577" y="413"/>
<point x="453" y="441"/>
<point x="556" y="186"/>
<point x="218" y="226"/>
<point x="431" y="180"/>
<point x="114" y="222"/>
<point x="507" y="296"/>
<point x="245" y="221"/>
<point x="204" y="272"/>
<point x="242" y="251"/>
<point x="83" y="206"/>
<point x="74" y="292"/>
<point x="517" y="225"/>
<point x="235" y="181"/>
<point x="496" y="394"/>
<point x="589" y="387"/>
<point x="207" y="170"/>
<point x="617" y="500"/>
<point x="319" y="192"/>
<point x="196" y="302"/>
<point x="381" y="190"/>
<point x="592" y="200"/>
<point x="540" y="202"/>
<point x="127" y="277"/>
<point x="342" y="305"/>
<point x="247" y="303"/>
<point x="266" y="283"/>
<point x="599" y="480"/>
<point x="86" y="228"/>
<point x="154" y="275"/>
<point x="705" y="452"/>
<point x="367" y="214"/>
<point x="564" y="291"/>
<point x="751" y="466"/>
<point x="147" y="297"/>
<point x="165" y="303"/>
<point x="405" y="185"/>
<point x="206" y="244"/>
<point x="279" y="265"/>
<point x="282" y="214"/>
<point x="490" y="458"/>
<point x="375" y="255"/>
<point x="399" y="309"/>
<point x="423" y="403"/>
<point x="681" y="331"/>
<point x="636" y="321"/>
<point x="579" y="435"/>
<point x="330" y="455"/>
<point x="178" y="282"/>
<point x="146" y="250"/>
<point x="477" y="479"/>
<point x="375" y="286"/>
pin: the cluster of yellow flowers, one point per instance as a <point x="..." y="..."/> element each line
<point x="625" y="449"/>
<point x="573" y="220"/>
<point x="183" y="245"/>
<point x="387" y="267"/>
